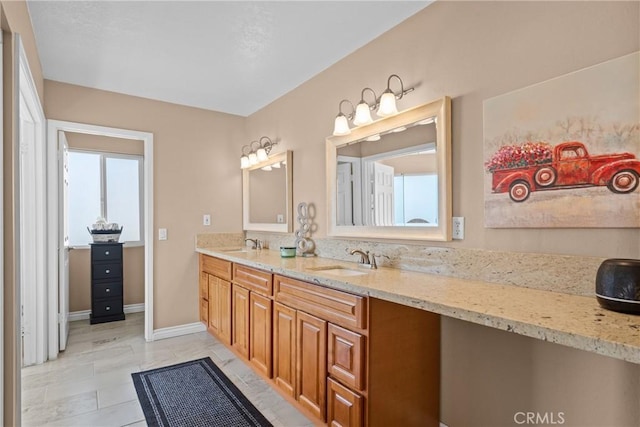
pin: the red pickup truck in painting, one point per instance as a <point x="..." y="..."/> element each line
<point x="568" y="165"/>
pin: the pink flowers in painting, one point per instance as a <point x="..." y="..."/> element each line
<point x="517" y="156"/>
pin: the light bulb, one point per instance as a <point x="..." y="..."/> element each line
<point x="341" y="125"/>
<point x="244" y="162"/>
<point x="387" y="104"/>
<point x="363" y="114"/>
<point x="253" y="159"/>
<point x="262" y="155"/>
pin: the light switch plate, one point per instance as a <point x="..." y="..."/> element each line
<point x="162" y="234"/>
<point x="206" y="219"/>
<point x="458" y="228"/>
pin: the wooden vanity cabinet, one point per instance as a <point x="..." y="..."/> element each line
<point x="252" y="316"/>
<point x="347" y="360"/>
<point x="215" y="296"/>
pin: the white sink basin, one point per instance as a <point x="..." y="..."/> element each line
<point x="338" y="270"/>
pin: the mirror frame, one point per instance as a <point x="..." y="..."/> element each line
<point x="441" y="109"/>
<point x="287" y="226"/>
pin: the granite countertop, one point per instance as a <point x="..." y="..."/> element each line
<point x="571" y="320"/>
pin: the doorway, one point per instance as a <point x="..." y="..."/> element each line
<point x="57" y="296"/>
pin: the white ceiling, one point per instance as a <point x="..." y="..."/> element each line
<point x="229" y="56"/>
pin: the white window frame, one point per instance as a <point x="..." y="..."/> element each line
<point x="103" y="189"/>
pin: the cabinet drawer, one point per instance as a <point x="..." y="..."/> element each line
<point x="107" y="290"/>
<point x="107" y="307"/>
<point x="338" y="307"/>
<point x="344" y="406"/>
<point x="106" y="252"/>
<point x="255" y="280"/>
<point x="216" y="266"/>
<point x="107" y="270"/>
<point x="345" y="360"/>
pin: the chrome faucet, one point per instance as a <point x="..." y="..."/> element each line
<point x="367" y="259"/>
<point x="364" y="257"/>
<point x="257" y="243"/>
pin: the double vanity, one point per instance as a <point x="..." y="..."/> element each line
<point x="342" y="357"/>
<point x="355" y="346"/>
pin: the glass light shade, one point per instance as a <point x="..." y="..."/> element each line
<point x="276" y="165"/>
<point x="267" y="168"/>
<point x="387" y="104"/>
<point x="363" y="115"/>
<point x="341" y="125"/>
<point x="244" y="162"/>
<point x="375" y="137"/>
<point x="253" y="159"/>
<point x="262" y="154"/>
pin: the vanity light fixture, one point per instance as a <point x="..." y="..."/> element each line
<point x="363" y="109"/>
<point x="341" y="124"/>
<point x="361" y="114"/>
<point x="258" y="152"/>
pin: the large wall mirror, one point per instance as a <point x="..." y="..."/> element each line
<point x="267" y="194"/>
<point x="392" y="179"/>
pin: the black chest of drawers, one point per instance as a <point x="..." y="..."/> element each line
<point x="106" y="283"/>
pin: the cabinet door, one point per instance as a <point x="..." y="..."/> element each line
<point x="240" y="319"/>
<point x="284" y="348"/>
<point x="204" y="311"/>
<point x="214" y="315"/>
<point x="311" y="363"/>
<point x="224" y="310"/>
<point x="204" y="285"/>
<point x="260" y="333"/>
<point x="345" y="406"/>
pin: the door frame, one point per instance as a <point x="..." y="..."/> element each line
<point x="28" y="93"/>
<point x="54" y="181"/>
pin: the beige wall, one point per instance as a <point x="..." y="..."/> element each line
<point x="472" y="51"/>
<point x="192" y="176"/>
<point x="80" y="277"/>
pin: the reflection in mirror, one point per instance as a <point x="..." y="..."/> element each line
<point x="391" y="179"/>
<point x="266" y="194"/>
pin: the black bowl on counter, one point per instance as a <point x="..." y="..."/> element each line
<point x="618" y="285"/>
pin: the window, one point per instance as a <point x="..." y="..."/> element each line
<point x="104" y="185"/>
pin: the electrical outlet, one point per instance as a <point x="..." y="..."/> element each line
<point x="162" y="234"/>
<point x="280" y="219"/>
<point x="206" y="219"/>
<point x="458" y="227"/>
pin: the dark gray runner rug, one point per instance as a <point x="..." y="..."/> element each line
<point x="192" y="394"/>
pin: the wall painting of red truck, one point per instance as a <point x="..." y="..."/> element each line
<point x="537" y="166"/>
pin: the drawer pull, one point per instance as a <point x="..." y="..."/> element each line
<point x="106" y="252"/>
<point x="107" y="290"/>
<point x="107" y="308"/>
<point x="107" y="271"/>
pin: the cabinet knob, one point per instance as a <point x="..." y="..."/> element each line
<point x="107" y="290"/>
<point x="106" y="252"/>
<point x="108" y="308"/>
<point x="107" y="271"/>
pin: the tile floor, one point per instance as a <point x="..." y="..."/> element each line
<point x="90" y="383"/>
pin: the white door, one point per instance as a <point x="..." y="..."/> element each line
<point x="345" y="195"/>
<point x="27" y="239"/>
<point x="383" y="194"/>
<point x="63" y="301"/>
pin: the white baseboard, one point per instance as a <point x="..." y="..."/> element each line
<point x="84" y="314"/>
<point x="176" y="331"/>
